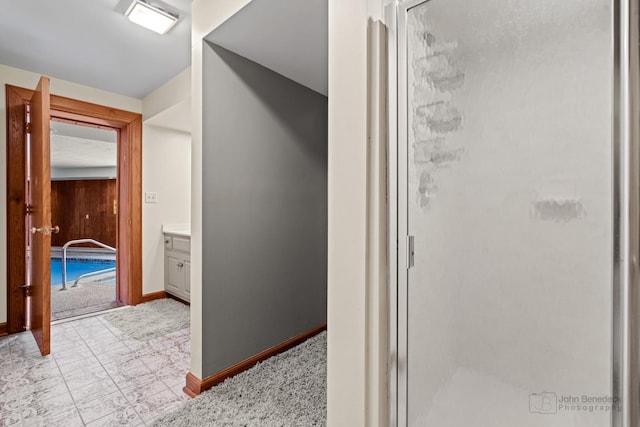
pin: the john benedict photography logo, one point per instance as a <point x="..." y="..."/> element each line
<point x="547" y="402"/>
<point x="543" y="403"/>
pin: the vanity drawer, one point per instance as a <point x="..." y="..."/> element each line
<point x="181" y="244"/>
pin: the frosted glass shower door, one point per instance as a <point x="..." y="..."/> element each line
<point x="505" y="135"/>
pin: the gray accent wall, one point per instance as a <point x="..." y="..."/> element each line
<point x="264" y="209"/>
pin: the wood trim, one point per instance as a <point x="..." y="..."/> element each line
<point x="23" y="93"/>
<point x="129" y="256"/>
<point x="16" y="228"/>
<point x="67" y="108"/>
<point x="3" y="329"/>
<point x="130" y="212"/>
<point x="153" y="296"/>
<point x="194" y="386"/>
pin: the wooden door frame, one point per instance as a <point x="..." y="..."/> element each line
<point x="129" y="193"/>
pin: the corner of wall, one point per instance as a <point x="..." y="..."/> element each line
<point x="356" y="326"/>
<point x="173" y="92"/>
<point x="206" y="16"/>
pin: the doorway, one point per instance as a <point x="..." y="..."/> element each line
<point x="128" y="193"/>
<point x="84" y="206"/>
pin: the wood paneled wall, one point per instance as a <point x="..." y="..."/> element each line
<point x="84" y="209"/>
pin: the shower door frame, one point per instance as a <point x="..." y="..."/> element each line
<point x="625" y="146"/>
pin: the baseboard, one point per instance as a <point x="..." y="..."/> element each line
<point x="178" y="299"/>
<point x="3" y="329"/>
<point x="160" y="295"/>
<point x="194" y="386"/>
<point x="153" y="296"/>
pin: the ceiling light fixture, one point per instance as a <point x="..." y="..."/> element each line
<point x="151" y="16"/>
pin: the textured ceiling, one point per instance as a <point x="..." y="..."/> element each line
<point x="92" y="43"/>
<point x="74" y="146"/>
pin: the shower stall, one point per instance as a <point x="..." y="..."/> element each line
<point x="514" y="186"/>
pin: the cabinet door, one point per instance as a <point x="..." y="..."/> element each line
<point x="175" y="275"/>
<point x="187" y="280"/>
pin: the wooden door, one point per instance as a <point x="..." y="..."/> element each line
<point x="39" y="195"/>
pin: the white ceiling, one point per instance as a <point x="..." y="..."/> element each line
<point x="74" y="146"/>
<point x="92" y="43"/>
<point x="289" y="37"/>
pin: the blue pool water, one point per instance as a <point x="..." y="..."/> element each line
<point x="77" y="267"/>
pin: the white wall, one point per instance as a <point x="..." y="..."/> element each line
<point x="17" y="77"/>
<point x="352" y="322"/>
<point x="346" y="379"/>
<point x="347" y="328"/>
<point x="173" y="92"/>
<point x="166" y="170"/>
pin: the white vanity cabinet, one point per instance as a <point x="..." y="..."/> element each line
<point x="177" y="265"/>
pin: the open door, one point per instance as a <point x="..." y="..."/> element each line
<point x="39" y="214"/>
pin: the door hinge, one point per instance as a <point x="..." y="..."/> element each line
<point x="410" y="252"/>
<point x="27" y="127"/>
<point x="28" y="209"/>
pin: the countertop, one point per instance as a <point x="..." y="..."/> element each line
<point x="183" y="230"/>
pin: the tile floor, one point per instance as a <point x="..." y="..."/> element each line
<point x="95" y="376"/>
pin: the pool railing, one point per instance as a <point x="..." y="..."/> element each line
<point x="91" y="274"/>
<point x="65" y="247"/>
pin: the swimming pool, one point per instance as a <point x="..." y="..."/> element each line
<point x="77" y="267"/>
